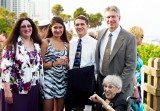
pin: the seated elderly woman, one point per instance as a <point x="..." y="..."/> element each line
<point x="112" y="99"/>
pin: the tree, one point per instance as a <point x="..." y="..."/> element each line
<point x="36" y="22"/>
<point x="23" y="14"/>
<point x="12" y="15"/>
<point x="79" y="11"/>
<point x="99" y="19"/>
<point x="4" y="26"/>
<point x="11" y="18"/>
<point x="95" y="20"/>
<point x="147" y="51"/>
<point x="92" y="20"/>
<point x="3" y="12"/>
<point x="57" y="9"/>
<point x="4" y="20"/>
<point x="65" y="17"/>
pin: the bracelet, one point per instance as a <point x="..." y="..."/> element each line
<point x="52" y="64"/>
<point x="108" y="108"/>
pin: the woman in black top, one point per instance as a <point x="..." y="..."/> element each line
<point x="112" y="99"/>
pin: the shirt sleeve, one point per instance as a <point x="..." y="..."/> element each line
<point x="7" y="61"/>
<point x="93" y="57"/>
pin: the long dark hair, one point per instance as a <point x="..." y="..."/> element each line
<point x="15" y="32"/>
<point x="54" y="21"/>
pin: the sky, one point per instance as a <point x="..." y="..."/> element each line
<point x="144" y="13"/>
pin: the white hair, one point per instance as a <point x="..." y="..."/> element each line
<point x="112" y="8"/>
<point x="116" y="81"/>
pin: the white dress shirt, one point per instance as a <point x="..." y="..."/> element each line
<point x="104" y="42"/>
<point x="87" y="52"/>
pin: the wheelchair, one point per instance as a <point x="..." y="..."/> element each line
<point x="129" y="98"/>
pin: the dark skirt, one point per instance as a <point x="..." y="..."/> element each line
<point x="22" y="102"/>
<point x="3" y="105"/>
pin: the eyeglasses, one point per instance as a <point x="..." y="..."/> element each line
<point x="142" y="36"/>
<point x="24" y="26"/>
<point x="109" y="86"/>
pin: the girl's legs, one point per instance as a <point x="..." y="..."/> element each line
<point x="58" y="104"/>
<point x="48" y="104"/>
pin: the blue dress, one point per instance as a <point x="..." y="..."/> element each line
<point x="138" y="106"/>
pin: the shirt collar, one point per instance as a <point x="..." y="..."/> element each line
<point x="19" y="40"/>
<point x="84" y="38"/>
<point x="115" y="31"/>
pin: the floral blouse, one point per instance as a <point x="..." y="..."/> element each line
<point x="22" y="69"/>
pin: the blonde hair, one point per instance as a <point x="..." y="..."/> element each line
<point x="137" y="31"/>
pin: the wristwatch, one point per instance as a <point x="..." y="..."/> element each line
<point x="134" y="87"/>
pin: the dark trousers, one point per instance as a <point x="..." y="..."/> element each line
<point x="77" y="99"/>
<point x="3" y="105"/>
<point x="99" y="87"/>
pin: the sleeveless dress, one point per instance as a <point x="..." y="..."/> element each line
<point x="55" y="78"/>
<point x="138" y="106"/>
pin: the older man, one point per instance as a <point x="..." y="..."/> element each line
<point x="116" y="52"/>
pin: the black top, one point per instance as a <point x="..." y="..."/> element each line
<point x="118" y="103"/>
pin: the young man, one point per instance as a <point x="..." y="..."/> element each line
<point x="81" y="55"/>
<point x="116" y="52"/>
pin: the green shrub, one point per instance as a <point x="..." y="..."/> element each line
<point x="147" y="51"/>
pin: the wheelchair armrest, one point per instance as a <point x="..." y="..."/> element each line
<point x="130" y="97"/>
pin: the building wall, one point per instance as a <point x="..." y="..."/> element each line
<point x="42" y="10"/>
<point x="3" y="3"/>
<point x="36" y="9"/>
<point x="19" y="6"/>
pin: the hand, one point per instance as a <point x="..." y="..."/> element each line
<point x="67" y="66"/>
<point x="59" y="61"/>
<point x="8" y="97"/>
<point x="96" y="98"/>
<point x="66" y="61"/>
<point x="136" y="94"/>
